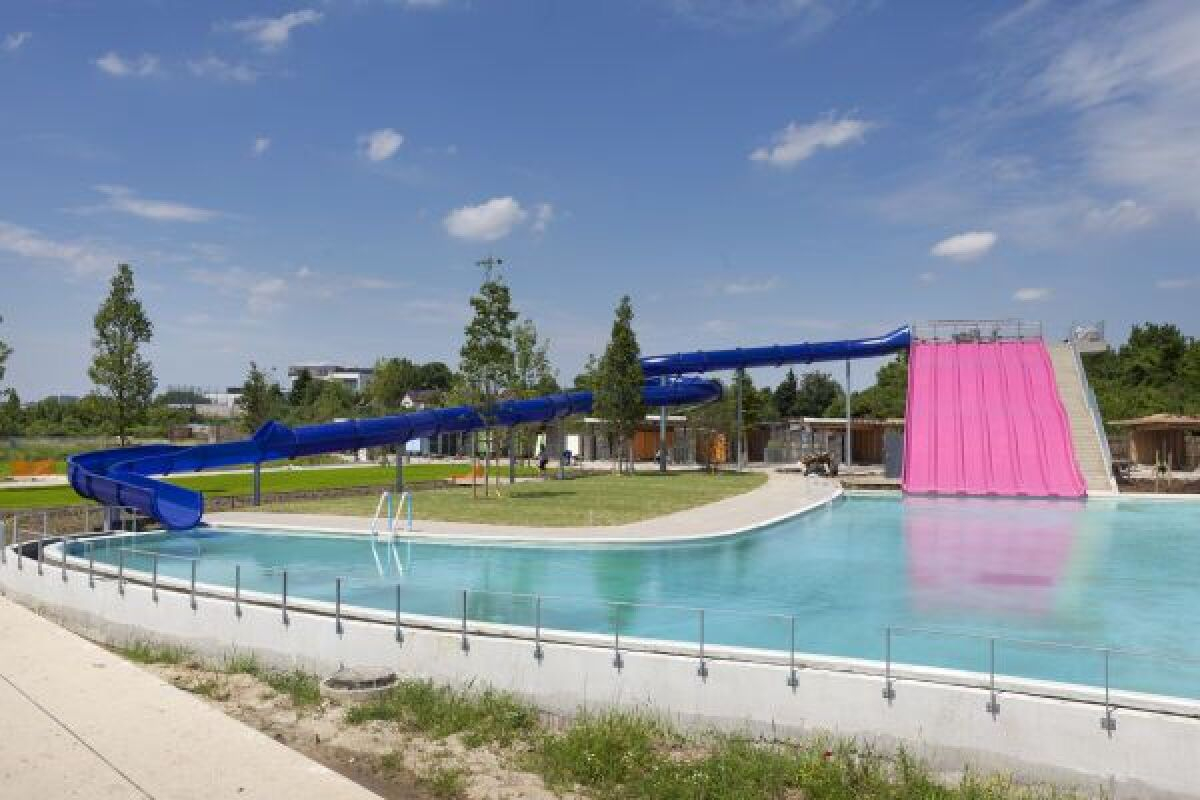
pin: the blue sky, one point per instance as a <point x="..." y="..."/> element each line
<point x="315" y="180"/>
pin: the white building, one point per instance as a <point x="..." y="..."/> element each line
<point x="355" y="378"/>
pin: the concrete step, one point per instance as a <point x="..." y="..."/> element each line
<point x="1089" y="452"/>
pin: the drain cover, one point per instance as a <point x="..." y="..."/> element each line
<point x="361" y="678"/>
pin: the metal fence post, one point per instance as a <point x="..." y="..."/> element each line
<point x="993" y="705"/>
<point x="702" y="670"/>
<point x="237" y="590"/>
<point x="399" y="630"/>
<point x="17" y="542"/>
<point x="793" y="679"/>
<point x="154" y="580"/>
<point x="3" y="542"/>
<point x="193" y="586"/>
<point x="337" y="606"/>
<point x="889" y="691"/>
<point x="465" y="644"/>
<point x="537" y="629"/>
<point x="63" y="559"/>
<point x="283" y="600"/>
<point x="41" y="547"/>
<point x="617" y="662"/>
<point x="87" y="519"/>
<point x="1108" y="722"/>
<point x="91" y="565"/>
<point x="121" y="571"/>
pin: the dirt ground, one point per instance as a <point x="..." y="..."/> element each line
<point x="390" y="761"/>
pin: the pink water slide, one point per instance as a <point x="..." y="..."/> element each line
<point x="985" y="418"/>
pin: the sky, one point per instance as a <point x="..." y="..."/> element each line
<point x="316" y="180"/>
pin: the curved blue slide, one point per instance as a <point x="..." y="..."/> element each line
<point x="121" y="477"/>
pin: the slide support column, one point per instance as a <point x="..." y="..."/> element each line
<point x="258" y="483"/>
<point x="512" y="456"/>
<point x="662" y="434"/>
<point x="400" y="448"/>
<point x="849" y="454"/>
<point x="740" y="377"/>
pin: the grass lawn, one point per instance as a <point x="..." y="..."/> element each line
<point x="242" y="483"/>
<point x="597" y="500"/>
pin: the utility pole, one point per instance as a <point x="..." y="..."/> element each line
<point x="849" y="459"/>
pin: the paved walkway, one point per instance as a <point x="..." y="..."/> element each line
<point x="783" y="495"/>
<point x="77" y="721"/>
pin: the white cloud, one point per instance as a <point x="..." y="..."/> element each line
<point x="81" y="258"/>
<point x="1130" y="75"/>
<point x="797" y="142"/>
<point x="263" y="293"/>
<point x="805" y="16"/>
<point x="126" y="201"/>
<point x="222" y="70"/>
<point x="543" y="215"/>
<point x="491" y="220"/>
<point x="380" y="145"/>
<point x="741" y="287"/>
<point x="272" y="33"/>
<point x="305" y="272"/>
<point x="261" y="145"/>
<point x="1126" y="215"/>
<point x="928" y="276"/>
<point x="1177" y="283"/>
<point x="144" y="66"/>
<point x="374" y="283"/>
<point x="266" y="295"/>
<point x="965" y="246"/>
<point x="1032" y="295"/>
<point x="14" y="41"/>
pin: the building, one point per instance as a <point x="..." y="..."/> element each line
<point x="354" y="378"/>
<point x="420" y="399"/>
<point x="1170" y="439"/>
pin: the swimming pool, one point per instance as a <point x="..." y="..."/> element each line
<point x="1106" y="572"/>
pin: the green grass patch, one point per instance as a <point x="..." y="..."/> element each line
<point x="241" y="484"/>
<point x="142" y="652"/>
<point x="595" y="500"/>
<point x="303" y="689"/>
<point x="631" y="757"/>
<point x="481" y="717"/>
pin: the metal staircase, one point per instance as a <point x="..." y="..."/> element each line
<point x="1087" y="429"/>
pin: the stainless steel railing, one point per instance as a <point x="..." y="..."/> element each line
<point x="677" y="629"/>
<point x="977" y="330"/>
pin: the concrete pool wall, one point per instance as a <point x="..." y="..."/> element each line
<point x="1149" y="753"/>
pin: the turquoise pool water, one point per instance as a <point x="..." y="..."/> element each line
<point x="1110" y="573"/>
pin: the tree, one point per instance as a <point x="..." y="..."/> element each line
<point x="785" y="395"/>
<point x="531" y="362"/>
<point x="10" y="414"/>
<point x="125" y="378"/>
<point x="818" y="390"/>
<point x="619" y="381"/>
<point x="885" y="400"/>
<point x="304" y="390"/>
<point x="394" y="378"/>
<point x="335" y="400"/>
<point x="486" y="356"/>
<point x="260" y="400"/>
<point x="585" y="381"/>
<point x="5" y="352"/>
<point x="434" y="375"/>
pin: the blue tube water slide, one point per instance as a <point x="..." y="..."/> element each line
<point x="122" y="476"/>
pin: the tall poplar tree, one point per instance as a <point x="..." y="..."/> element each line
<point x="124" y="376"/>
<point x="617" y="397"/>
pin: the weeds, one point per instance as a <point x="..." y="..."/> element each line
<point x="482" y="717"/>
<point x="149" y="653"/>
<point x="242" y="664"/>
<point x="302" y="688"/>
<point x="445" y="782"/>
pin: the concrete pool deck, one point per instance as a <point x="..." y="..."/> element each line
<point x="80" y="721"/>
<point x="783" y="495"/>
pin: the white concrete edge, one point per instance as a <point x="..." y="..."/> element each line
<point x="508" y="539"/>
<point x="941" y="676"/>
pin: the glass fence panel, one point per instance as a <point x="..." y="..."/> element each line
<point x="1048" y="662"/>
<point x="1154" y="674"/>
<point x="927" y="648"/>
<point x="750" y="630"/>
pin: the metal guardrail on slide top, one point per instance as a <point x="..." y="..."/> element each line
<point x="993" y="663"/>
<point x="977" y="330"/>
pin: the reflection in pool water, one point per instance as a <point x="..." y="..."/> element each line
<point x="1117" y="573"/>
